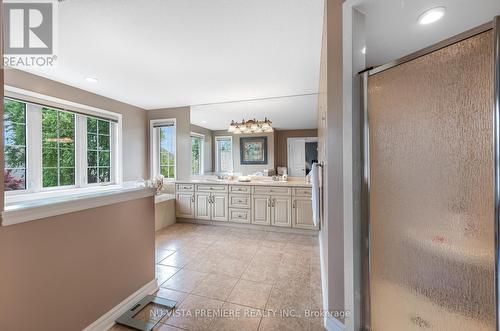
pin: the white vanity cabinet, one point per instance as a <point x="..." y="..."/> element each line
<point x="184" y="204"/>
<point x="261" y="207"/>
<point x="281" y="205"/>
<point x="211" y="206"/>
<point x="281" y="211"/>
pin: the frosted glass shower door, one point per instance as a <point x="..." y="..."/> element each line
<point x="431" y="191"/>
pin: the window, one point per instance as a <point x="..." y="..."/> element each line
<point x="14" y="145"/>
<point x="58" y="148"/>
<point x="98" y="151"/>
<point x="163" y="148"/>
<point x="224" y="154"/>
<point x="45" y="148"/>
<point x="197" y="142"/>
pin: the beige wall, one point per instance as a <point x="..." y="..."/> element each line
<point x="183" y="133"/>
<point x="134" y="119"/>
<point x="207" y="153"/>
<point x="249" y="169"/>
<point x="330" y="151"/>
<point x="64" y="272"/>
<point x="281" y="146"/>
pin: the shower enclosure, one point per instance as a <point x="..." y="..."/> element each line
<point x="431" y="187"/>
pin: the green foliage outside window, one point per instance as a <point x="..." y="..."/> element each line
<point x="167" y="152"/>
<point x="196" y="155"/>
<point x="58" y="148"/>
<point x="14" y="145"/>
<point x="98" y="151"/>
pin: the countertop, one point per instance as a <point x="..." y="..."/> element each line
<point x="290" y="183"/>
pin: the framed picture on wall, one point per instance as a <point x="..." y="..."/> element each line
<point x="253" y="150"/>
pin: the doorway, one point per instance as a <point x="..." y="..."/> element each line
<point x="302" y="153"/>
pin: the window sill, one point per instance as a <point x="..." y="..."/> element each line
<point x="28" y="207"/>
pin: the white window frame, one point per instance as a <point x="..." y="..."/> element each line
<point x="202" y="152"/>
<point x="34" y="180"/>
<point x="154" y="148"/>
<point x="217" y="152"/>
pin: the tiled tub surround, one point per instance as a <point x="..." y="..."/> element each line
<point x="283" y="205"/>
<point x="234" y="278"/>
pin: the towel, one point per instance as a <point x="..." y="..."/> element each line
<point x="314" y="173"/>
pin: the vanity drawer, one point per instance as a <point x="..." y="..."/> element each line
<point x="211" y="188"/>
<point x="302" y="191"/>
<point x="184" y="187"/>
<point x="239" y="189"/>
<point x="271" y="190"/>
<point x="240" y="200"/>
<point x="239" y="215"/>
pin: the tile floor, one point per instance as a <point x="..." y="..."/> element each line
<point x="236" y="279"/>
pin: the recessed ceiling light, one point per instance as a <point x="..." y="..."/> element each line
<point x="91" y="79"/>
<point x="204" y="122"/>
<point x="432" y="15"/>
<point x="363" y="50"/>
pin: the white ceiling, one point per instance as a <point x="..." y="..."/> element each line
<point x="393" y="30"/>
<point x="298" y="112"/>
<point x="167" y="53"/>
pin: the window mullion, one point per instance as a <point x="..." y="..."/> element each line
<point x="34" y="147"/>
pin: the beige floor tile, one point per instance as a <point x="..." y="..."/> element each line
<point x="296" y="299"/>
<point x="195" y="313"/>
<point x="161" y="254"/>
<point x="237" y="318"/>
<point x="171" y="295"/>
<point x="267" y="256"/>
<point x="184" y="280"/>
<point x="276" y="246"/>
<point x="230" y="267"/>
<point x="164" y="327"/>
<point x="261" y="272"/>
<point x="178" y="259"/>
<point x="316" y="324"/>
<point x="251" y="294"/>
<point x="164" y="272"/>
<point x="215" y="286"/>
<point x="283" y="324"/>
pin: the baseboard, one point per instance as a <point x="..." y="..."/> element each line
<point x="333" y="324"/>
<point x="107" y="320"/>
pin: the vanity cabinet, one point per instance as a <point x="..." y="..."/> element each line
<point x="261" y="206"/>
<point x="279" y="206"/>
<point x="211" y="206"/>
<point x="184" y="204"/>
<point x="281" y="211"/>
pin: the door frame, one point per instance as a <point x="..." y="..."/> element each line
<point x="365" y="160"/>
<point x="290" y="139"/>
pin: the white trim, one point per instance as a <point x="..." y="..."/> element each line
<point x="217" y="152"/>
<point x="154" y="147"/>
<point x="202" y="152"/>
<point x="106" y="321"/>
<point x="333" y="324"/>
<point x="89" y="110"/>
<point x="70" y="201"/>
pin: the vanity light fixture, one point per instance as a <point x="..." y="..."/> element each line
<point x="250" y="126"/>
<point x="431" y="15"/>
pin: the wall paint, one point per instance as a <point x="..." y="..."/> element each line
<point x="207" y="152"/>
<point x="249" y="169"/>
<point x="183" y="132"/>
<point x="134" y="124"/>
<point x="64" y="272"/>
<point x="330" y="150"/>
<point x="281" y="146"/>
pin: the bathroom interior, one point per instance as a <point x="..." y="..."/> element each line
<point x="272" y="165"/>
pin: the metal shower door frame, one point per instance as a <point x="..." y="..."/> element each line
<point x="365" y="154"/>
